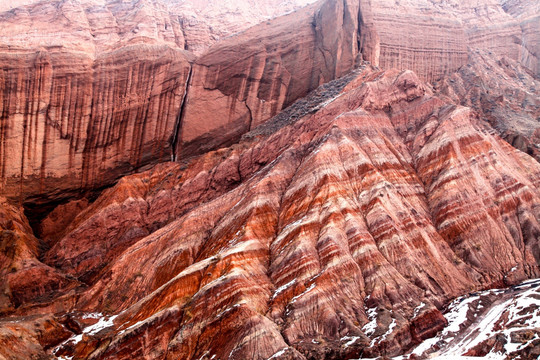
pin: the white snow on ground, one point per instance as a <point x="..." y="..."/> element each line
<point x="92" y="316"/>
<point x="508" y="311"/>
<point x="283" y="288"/>
<point x="457" y="314"/>
<point x="371" y="326"/>
<point x="278" y="354"/>
<point x="104" y="322"/>
<point x="515" y="309"/>
<point x="418" y="308"/>
<point x="487" y="328"/>
<point x="381" y="338"/>
<point x="350" y="340"/>
<point x="304" y="293"/>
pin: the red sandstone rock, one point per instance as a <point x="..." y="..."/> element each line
<point x="320" y="239"/>
<point x="92" y="101"/>
<point x="29" y="337"/>
<point x="25" y="280"/>
<point x="340" y="231"/>
<point x="504" y="93"/>
<point x="107" y="93"/>
<point x="57" y="221"/>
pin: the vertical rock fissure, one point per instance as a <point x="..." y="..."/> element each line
<point x="178" y="125"/>
<point x="250" y="117"/>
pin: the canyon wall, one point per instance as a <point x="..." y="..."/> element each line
<point x="338" y="228"/>
<point x="82" y="105"/>
<point x="96" y="89"/>
<point x="338" y="234"/>
<point x="70" y="122"/>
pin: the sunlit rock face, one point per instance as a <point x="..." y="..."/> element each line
<point x="341" y="233"/>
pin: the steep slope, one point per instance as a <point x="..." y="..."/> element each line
<point x="495" y="324"/>
<point x="96" y="89"/>
<point x="340" y="234"/>
<point x="205" y="22"/>
<point x="95" y="98"/>
<point x="26" y="281"/>
<point x="252" y="76"/>
<point x="504" y="93"/>
<point x="528" y="16"/>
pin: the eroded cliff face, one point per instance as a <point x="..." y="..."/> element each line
<point x="245" y="80"/>
<point x="341" y="233"/>
<point x="93" y="90"/>
<point x="84" y="105"/>
<point x="504" y="93"/>
<point x="205" y="22"/>
<point x="339" y="228"/>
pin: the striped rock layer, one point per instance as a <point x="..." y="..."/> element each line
<point x="96" y="89"/>
<point x="338" y="235"/>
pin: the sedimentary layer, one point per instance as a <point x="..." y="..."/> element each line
<point x="340" y="234"/>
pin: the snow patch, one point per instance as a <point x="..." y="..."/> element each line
<point x="283" y="288"/>
<point x="350" y="340"/>
<point x="371" y="326"/>
<point x="516" y="310"/>
<point x="279" y="353"/>
<point x="304" y="293"/>
<point x="104" y="322"/>
<point x="418" y="308"/>
<point x="383" y="337"/>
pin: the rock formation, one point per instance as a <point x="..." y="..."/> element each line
<point x="82" y="107"/>
<point x="338" y="228"/>
<point x="318" y="239"/>
<point x="498" y="323"/>
<point x="504" y="93"/>
<point x="206" y="22"/>
<point x="93" y="90"/>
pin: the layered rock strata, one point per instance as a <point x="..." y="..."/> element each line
<point x="81" y="108"/>
<point x="498" y="323"/>
<point x="504" y="93"/>
<point x="342" y="234"/>
<point x="26" y="281"/>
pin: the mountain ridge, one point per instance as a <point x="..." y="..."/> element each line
<point x="323" y="204"/>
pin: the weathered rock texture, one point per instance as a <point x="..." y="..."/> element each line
<point x="337" y="229"/>
<point x="83" y="106"/>
<point x="25" y="279"/>
<point x="247" y="79"/>
<point x="498" y="323"/>
<point x="92" y="90"/>
<point x="205" y="22"/>
<point x="342" y="233"/>
<point x="504" y="93"/>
